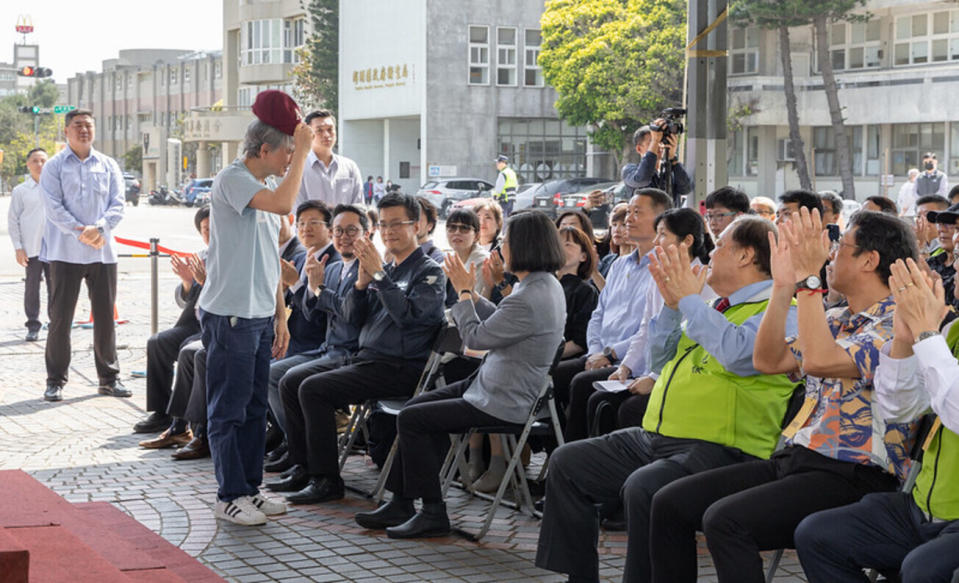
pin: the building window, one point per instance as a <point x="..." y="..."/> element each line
<point x="872" y="150"/>
<point x="217" y="69"/>
<point x="735" y="164"/>
<point x="824" y="146"/>
<point x="910" y="141"/>
<point x="927" y="38"/>
<point x="186" y="74"/>
<point x="173" y="76"/>
<point x="261" y="42"/>
<point x="744" y="52"/>
<point x="542" y="149"/>
<point x="752" y="151"/>
<point x="854" y="45"/>
<point x="293" y="38"/>
<point x="479" y="55"/>
<point x="533" y="74"/>
<point x="506" y="56"/>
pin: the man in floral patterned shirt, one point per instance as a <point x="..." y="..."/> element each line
<point x="836" y="451"/>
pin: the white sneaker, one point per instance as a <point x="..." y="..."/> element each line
<point x="240" y="511"/>
<point x="267" y="506"/>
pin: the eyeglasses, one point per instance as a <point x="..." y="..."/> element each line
<point x="458" y="228"/>
<point x="766" y="212"/>
<point x="394" y="225"/>
<point x="313" y="223"/>
<point x="350" y="231"/>
<point x="717" y="216"/>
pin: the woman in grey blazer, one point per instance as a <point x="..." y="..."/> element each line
<point x="521" y="336"/>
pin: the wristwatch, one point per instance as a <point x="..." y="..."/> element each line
<point x="608" y="353"/>
<point x="379" y="275"/>
<point x="812" y="282"/>
<point x="927" y="334"/>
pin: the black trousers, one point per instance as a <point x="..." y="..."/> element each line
<point x="65" y="279"/>
<point x="189" y="389"/>
<point x="628" y="465"/>
<point x="36" y="270"/>
<point x="424" y="426"/>
<point x="886" y="531"/>
<point x="626" y="410"/>
<point x="311" y="406"/>
<point x="747" y="508"/>
<point x="163" y="349"/>
<point x="580" y="390"/>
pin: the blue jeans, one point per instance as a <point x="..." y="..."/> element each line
<point x="885" y="531"/>
<point x="237" y="373"/>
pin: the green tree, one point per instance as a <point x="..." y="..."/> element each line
<point x="615" y="64"/>
<point x="133" y="159"/>
<point x="21" y="132"/>
<point x="317" y="74"/>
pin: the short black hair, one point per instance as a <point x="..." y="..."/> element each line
<point x="804" y="198"/>
<point x="661" y="200"/>
<point x="585" y="225"/>
<point x="430" y="210"/>
<point x="404" y="200"/>
<point x="729" y="197"/>
<point x="34" y="151"/>
<point x="933" y="199"/>
<point x="352" y="208"/>
<point x="318" y="205"/>
<point x="752" y="232"/>
<point x="76" y="113"/>
<point x="885" y="205"/>
<point x="533" y="243"/>
<point x="640" y="135"/>
<point x="319" y="114"/>
<point x="682" y="222"/>
<point x="463" y="216"/>
<point x="200" y="216"/>
<point x="888" y="235"/>
<point x="953" y="192"/>
<point x="833" y="200"/>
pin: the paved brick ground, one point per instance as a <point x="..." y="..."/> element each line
<point x="83" y="449"/>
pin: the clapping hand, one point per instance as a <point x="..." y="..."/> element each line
<point x="315" y="268"/>
<point x="456" y="273"/>
<point x="289" y="273"/>
<point x="920" y="299"/>
<point x="369" y="257"/>
<point x="673" y="274"/>
<point x="809" y="243"/>
<point x="197" y="268"/>
<point x="781" y="262"/>
<point x="181" y="267"/>
<point x="493" y="270"/>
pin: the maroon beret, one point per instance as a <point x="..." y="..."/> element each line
<point x="277" y="109"/>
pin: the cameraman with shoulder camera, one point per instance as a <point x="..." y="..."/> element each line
<point x="653" y="148"/>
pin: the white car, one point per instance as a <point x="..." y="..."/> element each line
<point x="443" y="193"/>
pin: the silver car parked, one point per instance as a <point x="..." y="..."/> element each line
<point x="444" y="192"/>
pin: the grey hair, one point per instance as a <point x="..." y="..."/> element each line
<point x="258" y="134"/>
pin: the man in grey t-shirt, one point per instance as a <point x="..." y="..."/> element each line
<point x="241" y="305"/>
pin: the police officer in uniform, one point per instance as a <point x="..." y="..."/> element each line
<point x="505" y="189"/>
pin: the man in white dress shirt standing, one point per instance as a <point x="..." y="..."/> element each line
<point x="328" y="177"/>
<point x="25" y="223"/>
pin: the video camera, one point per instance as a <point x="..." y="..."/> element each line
<point x="672" y="122"/>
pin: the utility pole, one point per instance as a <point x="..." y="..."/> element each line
<point x="706" y="58"/>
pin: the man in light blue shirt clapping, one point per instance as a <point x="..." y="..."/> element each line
<point x="84" y="195"/>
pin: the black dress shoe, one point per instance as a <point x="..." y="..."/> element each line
<point x="53" y="393"/>
<point x="153" y="423"/>
<point x="320" y="489"/>
<point x="429" y="522"/>
<point x="393" y="513"/>
<point x="281" y="465"/>
<point x="32" y="335"/>
<point x="115" y="389"/>
<point x="278" y="452"/>
<point x="296" y="481"/>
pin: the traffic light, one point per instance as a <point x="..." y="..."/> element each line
<point x="37" y="72"/>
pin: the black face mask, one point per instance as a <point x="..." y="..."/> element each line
<point x="930" y="166"/>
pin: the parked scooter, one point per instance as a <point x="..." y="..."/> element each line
<point x="163" y="196"/>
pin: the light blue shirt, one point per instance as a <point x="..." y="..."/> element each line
<point x="26" y="218"/>
<point x="619" y="313"/>
<point x="730" y="344"/>
<point x="243" y="264"/>
<point x="338" y="183"/>
<point x="79" y="193"/>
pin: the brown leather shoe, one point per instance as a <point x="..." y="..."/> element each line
<point x="197" y="448"/>
<point x="167" y="439"/>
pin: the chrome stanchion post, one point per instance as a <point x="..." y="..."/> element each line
<point x="154" y="284"/>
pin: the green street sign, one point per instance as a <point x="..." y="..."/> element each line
<point x="63" y="108"/>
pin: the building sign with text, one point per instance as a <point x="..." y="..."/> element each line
<point x="384" y="76"/>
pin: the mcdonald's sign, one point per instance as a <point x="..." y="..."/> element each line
<point x="24" y="24"/>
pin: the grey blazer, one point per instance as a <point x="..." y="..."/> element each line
<point x="521" y="335"/>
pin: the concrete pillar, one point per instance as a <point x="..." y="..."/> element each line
<point x="706" y="100"/>
<point x="386" y="150"/>
<point x="202" y="160"/>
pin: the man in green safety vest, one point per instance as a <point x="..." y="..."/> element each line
<point x="914" y="533"/>
<point x="504" y="192"/>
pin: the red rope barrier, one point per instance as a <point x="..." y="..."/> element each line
<point x="142" y="245"/>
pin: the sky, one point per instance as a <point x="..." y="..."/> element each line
<point x="78" y="36"/>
